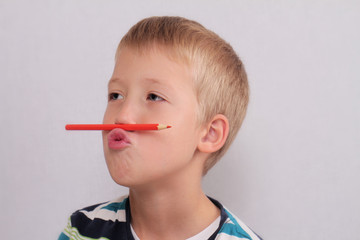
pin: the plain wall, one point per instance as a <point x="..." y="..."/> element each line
<point x="293" y="171"/>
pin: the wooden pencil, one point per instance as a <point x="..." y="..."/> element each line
<point x="128" y="127"/>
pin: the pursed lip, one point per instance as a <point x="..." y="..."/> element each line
<point x="118" y="139"/>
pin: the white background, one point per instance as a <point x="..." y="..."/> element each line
<point x="292" y="173"/>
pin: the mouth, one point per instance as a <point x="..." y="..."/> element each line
<point x="118" y="139"/>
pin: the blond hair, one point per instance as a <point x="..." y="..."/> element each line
<point x="219" y="76"/>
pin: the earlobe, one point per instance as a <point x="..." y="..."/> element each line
<point x="215" y="134"/>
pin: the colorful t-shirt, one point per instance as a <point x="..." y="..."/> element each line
<point x="111" y="221"/>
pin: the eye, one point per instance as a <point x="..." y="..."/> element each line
<point x="153" y="97"/>
<point x="115" y="96"/>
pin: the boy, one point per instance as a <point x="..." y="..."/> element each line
<point x="174" y="71"/>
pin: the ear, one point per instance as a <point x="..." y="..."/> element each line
<point x="214" y="135"/>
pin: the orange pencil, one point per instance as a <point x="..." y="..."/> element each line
<point x="128" y="127"/>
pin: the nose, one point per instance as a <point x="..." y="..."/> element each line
<point x="126" y="113"/>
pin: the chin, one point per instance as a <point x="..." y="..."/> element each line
<point x="120" y="180"/>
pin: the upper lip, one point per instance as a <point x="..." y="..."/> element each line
<point x="118" y="134"/>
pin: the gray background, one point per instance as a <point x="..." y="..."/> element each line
<point x="292" y="173"/>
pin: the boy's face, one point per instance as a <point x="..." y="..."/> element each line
<point x="150" y="88"/>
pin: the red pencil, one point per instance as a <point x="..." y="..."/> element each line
<point x="128" y="127"/>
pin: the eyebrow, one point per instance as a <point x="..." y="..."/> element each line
<point x="151" y="80"/>
<point x="113" y="80"/>
<point x="162" y="83"/>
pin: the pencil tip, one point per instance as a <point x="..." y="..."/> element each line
<point x="162" y="126"/>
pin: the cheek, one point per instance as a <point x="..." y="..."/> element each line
<point x="173" y="145"/>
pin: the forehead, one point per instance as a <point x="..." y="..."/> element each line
<point x="157" y="65"/>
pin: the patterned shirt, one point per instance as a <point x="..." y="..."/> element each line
<point x="111" y="220"/>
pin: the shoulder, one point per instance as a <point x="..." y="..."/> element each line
<point x="232" y="228"/>
<point x="235" y="228"/>
<point x="101" y="221"/>
<point x="109" y="211"/>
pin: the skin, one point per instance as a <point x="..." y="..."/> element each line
<point x="163" y="169"/>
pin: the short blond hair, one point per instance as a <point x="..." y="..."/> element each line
<point x="220" y="79"/>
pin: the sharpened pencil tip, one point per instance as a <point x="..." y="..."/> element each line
<point x="162" y="126"/>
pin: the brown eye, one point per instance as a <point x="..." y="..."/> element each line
<point x="153" y="97"/>
<point x="115" y="96"/>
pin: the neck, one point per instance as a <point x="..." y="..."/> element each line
<point x="174" y="209"/>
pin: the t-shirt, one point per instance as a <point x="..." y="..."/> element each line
<point x="111" y="221"/>
<point x="204" y="234"/>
